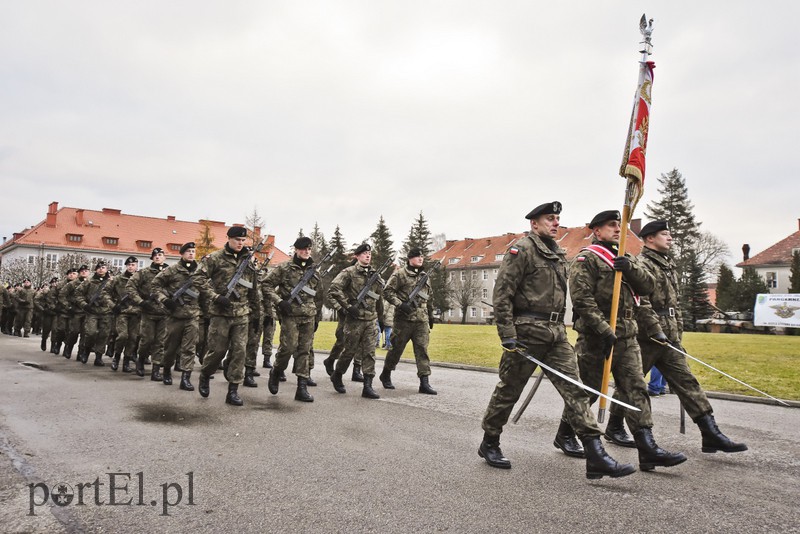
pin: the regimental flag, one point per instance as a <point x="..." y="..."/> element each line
<point x="633" y="161"/>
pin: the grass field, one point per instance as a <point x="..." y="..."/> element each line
<point x="769" y="363"/>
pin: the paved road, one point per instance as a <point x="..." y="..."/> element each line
<point x="405" y="463"/>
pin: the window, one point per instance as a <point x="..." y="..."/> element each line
<point x="495" y="273"/>
<point x="51" y="261"/>
<point x="175" y="246"/>
<point x="474" y="275"/>
<point x="476" y="259"/>
<point x="111" y="240"/>
<point x="772" y="280"/>
<point x="463" y="276"/>
<point x="451" y="261"/>
<point x="118" y="262"/>
<point x="485" y="293"/>
<point x="141" y="264"/>
<point x="31" y="259"/>
<point x="473" y="312"/>
<point x="450" y="276"/>
<point x="485" y="274"/>
<point x="449" y="313"/>
<point x="75" y="238"/>
<point x="145" y="244"/>
<point x="499" y="257"/>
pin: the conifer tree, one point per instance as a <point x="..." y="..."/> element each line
<point x="419" y="237"/>
<point x="726" y="289"/>
<point x="748" y="288"/>
<point x="695" y="295"/>
<point x="341" y="256"/>
<point x="382" y="245"/>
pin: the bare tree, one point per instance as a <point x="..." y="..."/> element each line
<point x="466" y="290"/>
<point x="711" y="252"/>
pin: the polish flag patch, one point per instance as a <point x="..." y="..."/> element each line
<point x="513" y="250"/>
<point x="580" y="258"/>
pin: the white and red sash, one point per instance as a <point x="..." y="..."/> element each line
<point x="608" y="257"/>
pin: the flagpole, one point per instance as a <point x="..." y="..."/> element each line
<point x="632" y="194"/>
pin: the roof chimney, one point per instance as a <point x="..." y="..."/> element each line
<point x="52" y="214"/>
<point x="170" y="217"/>
<point x="636" y="226"/>
<point x="746" y="252"/>
<point x="79" y="217"/>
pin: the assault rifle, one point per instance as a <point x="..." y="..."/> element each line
<point x="97" y="293"/>
<point x="236" y="279"/>
<point x="302" y="285"/>
<point x="121" y="304"/>
<point x="366" y="291"/>
<point x="185" y="289"/>
<point x="423" y="279"/>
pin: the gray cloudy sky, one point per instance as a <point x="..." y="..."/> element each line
<point x="339" y="112"/>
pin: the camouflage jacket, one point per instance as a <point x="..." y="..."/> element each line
<point x="591" y="285"/>
<point x="168" y="281"/>
<point x="119" y="294"/>
<point x="665" y="309"/>
<point x="94" y="288"/>
<point x="399" y="286"/>
<point x="66" y="297"/>
<point x="51" y="299"/>
<point x="23" y="298"/>
<point x="532" y="278"/>
<point x="40" y="302"/>
<point x="346" y="287"/>
<point x="216" y="270"/>
<point x="5" y="298"/>
<point x="140" y="290"/>
<point x="282" y="279"/>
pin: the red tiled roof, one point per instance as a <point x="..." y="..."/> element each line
<point x="778" y="254"/>
<point x="110" y="230"/>
<point x="489" y="251"/>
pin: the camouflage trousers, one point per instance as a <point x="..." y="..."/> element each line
<point x="254" y="329"/>
<point x="22" y="321"/>
<point x="338" y="345"/>
<point x="48" y="319"/>
<point x="75" y="329"/>
<point x="626" y="368"/>
<point x="60" y="324"/>
<point x="97" y="328"/>
<point x="152" y="336"/>
<point x="202" y="338"/>
<point x="227" y="335"/>
<point x="181" y="343"/>
<point x="418" y="332"/>
<point x="268" y="336"/>
<point x="549" y="345"/>
<point x="297" y="338"/>
<point x="127" y="327"/>
<point x="678" y="375"/>
<point x="359" y="341"/>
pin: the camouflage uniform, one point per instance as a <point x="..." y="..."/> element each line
<point x="5" y="302"/>
<point x="530" y="296"/>
<point x="97" y="324"/>
<point x="23" y="300"/>
<point x="591" y="285"/>
<point x="76" y="317"/>
<point x="127" y="317"/>
<point x="297" y="326"/>
<point x="414" y="327"/>
<point x="42" y="302"/>
<point x="61" y="320"/>
<point x="359" y="332"/>
<point x="268" y="332"/>
<point x="227" y="331"/>
<point x="153" y="321"/>
<point x="256" y="325"/>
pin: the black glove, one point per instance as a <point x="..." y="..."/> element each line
<point x="676" y="344"/>
<point x="622" y="263"/>
<point x="222" y="301"/>
<point x="509" y="343"/>
<point x="171" y="305"/>
<point x="285" y="307"/>
<point x="353" y="312"/>
<point x="268" y="321"/>
<point x="116" y="309"/>
<point x="148" y="306"/>
<point x="608" y="342"/>
<point x="406" y="308"/>
<point x="430" y="322"/>
<point x="660" y="338"/>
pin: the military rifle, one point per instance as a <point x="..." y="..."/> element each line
<point x="185" y="289"/>
<point x="302" y="285"/>
<point x="423" y="279"/>
<point x="366" y="291"/>
<point x="97" y="293"/>
<point x="236" y="279"/>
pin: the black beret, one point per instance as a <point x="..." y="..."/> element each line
<point x="187" y="246"/>
<point x="237" y="231"/>
<point x="72" y="270"/>
<point x="54" y="280"/>
<point x="156" y="250"/>
<point x="414" y="253"/>
<point x="28" y="280"/>
<point x="131" y="259"/>
<point x="547" y="208"/>
<point x="653" y="227"/>
<point x="99" y="264"/>
<point x="363" y="247"/>
<point x="303" y="242"/>
<point x="83" y="268"/>
<point x="604" y="217"/>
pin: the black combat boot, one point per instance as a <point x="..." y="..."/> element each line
<point x="274" y="382"/>
<point x="185" y="384"/>
<point x="357" y="376"/>
<point x="338" y="385"/>
<point x="98" y="359"/>
<point x="43" y="345"/>
<point x="310" y="381"/>
<point x="256" y="373"/>
<point x="386" y="379"/>
<point x="126" y="365"/>
<point x="302" y="393"/>
<point x="155" y="375"/>
<point x="54" y="347"/>
<point x="110" y="348"/>
<point x="266" y="364"/>
<point x="204" y="385"/>
<point x="367" y="392"/>
<point x="282" y="376"/>
<point x="68" y="351"/>
<point x="249" y="381"/>
<point x="329" y="363"/>
<point x="615" y="432"/>
<point x="713" y="439"/>
<point x="233" y="395"/>
<point x="651" y="455"/>
<point x="490" y="451"/>
<point x="425" y="386"/>
<point x="599" y="464"/>
<point x="140" y="365"/>
<point x="166" y="378"/>
<point x="115" y="362"/>
<point x="567" y="442"/>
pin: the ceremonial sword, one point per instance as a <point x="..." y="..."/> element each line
<point x="529" y="398"/>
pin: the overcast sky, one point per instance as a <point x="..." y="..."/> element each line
<point x="342" y="111"/>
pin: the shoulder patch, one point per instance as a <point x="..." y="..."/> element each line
<point x="580" y="258"/>
<point x="513" y="250"/>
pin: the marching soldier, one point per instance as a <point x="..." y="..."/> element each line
<point x="360" y="329"/>
<point x="182" y="301"/>
<point x="412" y="321"/>
<point x="126" y="317"/>
<point x="93" y="298"/>
<point x="61" y="326"/>
<point x="44" y="302"/>
<point x="268" y="333"/>
<point x="298" y="319"/>
<point x="664" y="314"/>
<point x="153" y="322"/>
<point x="66" y="298"/>
<point x="529" y="300"/>
<point x="23" y="299"/>
<point x="254" y="330"/>
<point x="227" y="331"/>
<point x="5" y="302"/>
<point x="591" y="287"/>
<point x="338" y="347"/>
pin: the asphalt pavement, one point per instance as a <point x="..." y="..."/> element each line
<point x="86" y="449"/>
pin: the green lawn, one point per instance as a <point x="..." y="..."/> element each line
<point x="769" y="363"/>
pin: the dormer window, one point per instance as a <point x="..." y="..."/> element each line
<point x="144" y="244"/>
<point x="75" y="238"/>
<point x="111" y="241"/>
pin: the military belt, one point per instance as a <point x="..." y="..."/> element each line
<point x="627" y="313"/>
<point x="666" y="312"/>
<point x="553" y="317"/>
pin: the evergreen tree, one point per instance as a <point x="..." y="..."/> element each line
<point x="341" y="256"/>
<point x="382" y="245"/>
<point x="694" y="300"/>
<point x="319" y="248"/>
<point x="441" y="292"/>
<point x="794" y="277"/>
<point x="726" y="289"/>
<point x="748" y="288"/>
<point x="254" y="223"/>
<point x="419" y="237"/>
